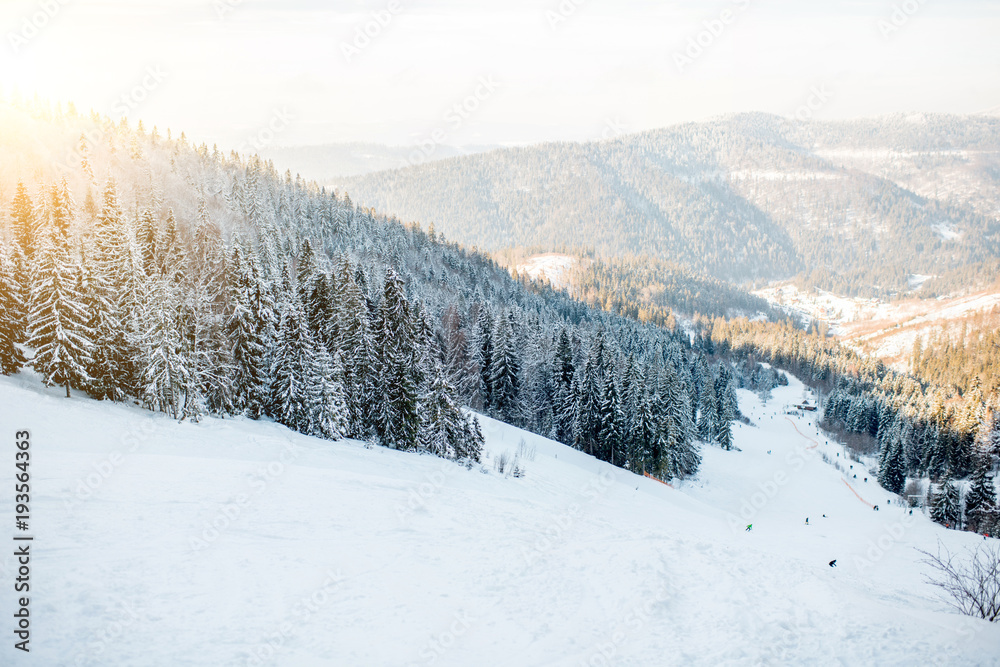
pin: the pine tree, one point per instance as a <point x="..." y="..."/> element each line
<point x="109" y="284"/>
<point x="293" y="369"/>
<point x="12" y="315"/>
<point x="164" y="372"/>
<point x="442" y="427"/>
<point x="22" y="214"/>
<point x="612" y="426"/>
<point x="892" y="470"/>
<point x="59" y="319"/>
<point x="354" y="341"/>
<point x="981" y="501"/>
<point x="396" y="401"/>
<point x="946" y="505"/>
<point x="505" y="368"/>
<point x="329" y="415"/>
<point x="249" y="330"/>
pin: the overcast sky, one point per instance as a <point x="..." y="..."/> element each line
<point x="521" y="70"/>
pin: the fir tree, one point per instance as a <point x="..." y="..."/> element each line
<point x="946" y="505"/>
<point x="981" y="501"/>
<point x="504" y="373"/>
<point x="293" y="373"/>
<point x="396" y="401"/>
<point x="59" y="319"/>
<point x="330" y="418"/>
<point x="442" y="427"/>
<point x="892" y="469"/>
<point x="22" y="215"/>
<point x="12" y="315"/>
<point x="612" y="426"/>
<point x="164" y="373"/>
<point x="248" y="330"/>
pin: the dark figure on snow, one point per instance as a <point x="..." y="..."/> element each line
<point x="876" y="508"/>
<point x="866" y="479"/>
<point x="833" y="563"/>
<point x="749" y="527"/>
<point x="807" y="521"/>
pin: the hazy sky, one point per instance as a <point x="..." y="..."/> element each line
<point x="239" y="71"/>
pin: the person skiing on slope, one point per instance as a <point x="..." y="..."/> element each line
<point x="749" y="527"/>
<point x="833" y="563"/>
<point x="807" y="521"/>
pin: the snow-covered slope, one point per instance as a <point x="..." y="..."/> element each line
<point x="242" y="543"/>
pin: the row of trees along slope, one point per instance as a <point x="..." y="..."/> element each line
<point x="141" y="268"/>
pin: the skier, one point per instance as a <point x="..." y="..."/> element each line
<point x="876" y="508"/>
<point x="807" y="521"/>
<point x="833" y="563"/>
<point x="749" y="526"/>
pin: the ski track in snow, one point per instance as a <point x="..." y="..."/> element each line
<point x="334" y="554"/>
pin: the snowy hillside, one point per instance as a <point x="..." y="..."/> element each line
<point x="243" y="543"/>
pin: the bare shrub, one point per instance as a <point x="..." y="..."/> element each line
<point x="525" y="451"/>
<point x="971" y="584"/>
<point x="502" y="462"/>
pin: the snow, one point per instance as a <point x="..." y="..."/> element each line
<point x="321" y="553"/>
<point x="946" y="231"/>
<point x="550" y="266"/>
<point x="773" y="175"/>
<point x="916" y="280"/>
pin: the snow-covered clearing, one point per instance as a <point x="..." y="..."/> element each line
<point x="242" y="543"/>
<point x="550" y="266"/>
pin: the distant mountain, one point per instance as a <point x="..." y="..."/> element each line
<point x="326" y="162"/>
<point x="855" y="206"/>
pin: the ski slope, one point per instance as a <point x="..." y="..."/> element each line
<point x="241" y="543"/>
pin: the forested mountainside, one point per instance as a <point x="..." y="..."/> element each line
<point x="854" y="207"/>
<point x="917" y="429"/>
<point x="138" y="267"/>
<point x="964" y="354"/>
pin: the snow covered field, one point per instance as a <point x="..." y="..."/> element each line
<point x="242" y="543"/>
<point x="550" y="266"/>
